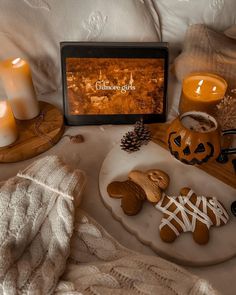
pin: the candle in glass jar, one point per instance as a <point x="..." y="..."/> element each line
<point x="8" y="130"/>
<point x="202" y="92"/>
<point x="17" y="81"/>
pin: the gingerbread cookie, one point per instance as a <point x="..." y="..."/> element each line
<point x="190" y="213"/>
<point x="153" y="182"/>
<point x="185" y="213"/>
<point x="132" y="195"/>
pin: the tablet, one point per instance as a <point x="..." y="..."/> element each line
<point x="114" y="83"/>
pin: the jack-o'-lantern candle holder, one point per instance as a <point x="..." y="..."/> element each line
<point x="194" y="138"/>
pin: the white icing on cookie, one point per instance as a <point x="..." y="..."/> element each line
<point x="197" y="214"/>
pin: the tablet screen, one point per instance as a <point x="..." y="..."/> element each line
<point x="115" y="85"/>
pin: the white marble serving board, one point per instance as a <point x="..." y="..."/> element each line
<point x="145" y="225"/>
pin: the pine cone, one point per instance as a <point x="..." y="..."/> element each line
<point x="130" y="142"/>
<point x="142" y="131"/>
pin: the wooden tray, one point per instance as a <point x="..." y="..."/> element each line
<point x="224" y="172"/>
<point x="35" y="136"/>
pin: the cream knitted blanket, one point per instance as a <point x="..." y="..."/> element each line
<point x="99" y="265"/>
<point x="207" y="51"/>
<point x="36" y="225"/>
<point x="37" y="221"/>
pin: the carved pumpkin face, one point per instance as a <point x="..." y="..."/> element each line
<point x="194" y="145"/>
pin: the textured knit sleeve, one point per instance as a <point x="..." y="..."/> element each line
<point x="36" y="225"/>
<point x="52" y="174"/>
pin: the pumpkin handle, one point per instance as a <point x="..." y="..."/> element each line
<point x="231" y="150"/>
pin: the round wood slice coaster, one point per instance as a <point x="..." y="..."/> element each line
<point x="35" y="136"/>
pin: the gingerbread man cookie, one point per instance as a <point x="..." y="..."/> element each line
<point x="185" y="213"/>
<point x="132" y="194"/>
<point x="190" y="213"/>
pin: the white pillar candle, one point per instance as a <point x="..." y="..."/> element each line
<point x="8" y="130"/>
<point x="17" y="81"/>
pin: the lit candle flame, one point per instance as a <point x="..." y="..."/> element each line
<point x="16" y="61"/>
<point x="200" y="83"/>
<point x="198" y="91"/>
<point x="214" y="89"/>
<point x="3" y="108"/>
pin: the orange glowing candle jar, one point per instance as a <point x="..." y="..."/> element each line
<point x="202" y="92"/>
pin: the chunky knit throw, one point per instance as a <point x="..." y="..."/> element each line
<point x="36" y="225"/>
<point x="99" y="265"/>
<point x="207" y="51"/>
<point x="37" y="220"/>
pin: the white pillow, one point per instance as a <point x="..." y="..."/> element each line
<point x="177" y="15"/>
<point x="32" y="29"/>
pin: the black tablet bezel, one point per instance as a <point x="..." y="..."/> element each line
<point x="113" y="50"/>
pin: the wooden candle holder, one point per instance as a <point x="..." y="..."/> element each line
<point x="35" y="136"/>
